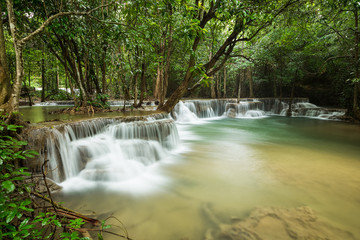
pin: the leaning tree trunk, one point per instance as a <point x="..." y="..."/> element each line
<point x="5" y="85"/>
<point x="224" y="82"/>
<point x="181" y="90"/>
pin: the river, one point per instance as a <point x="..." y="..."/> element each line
<point x="234" y="166"/>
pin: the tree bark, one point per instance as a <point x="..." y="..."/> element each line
<point x="224" y="82"/>
<point x="158" y="92"/>
<point x="103" y="69"/>
<point x="57" y="76"/>
<point x="28" y="89"/>
<point x="136" y="87"/>
<point x="167" y="65"/>
<point x="212" y="82"/>
<point x="18" y="47"/>
<point x="5" y="85"/>
<point x="218" y="88"/>
<point x="43" y="79"/>
<point x="289" y="111"/>
<point x="275" y="87"/>
<point x="250" y="78"/>
<point x="239" y="86"/>
<point x="142" y="84"/>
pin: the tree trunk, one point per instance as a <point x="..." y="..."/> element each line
<point x="289" y="111"/>
<point x="57" y="76"/>
<point x="218" y="85"/>
<point x="356" y="109"/>
<point x="5" y="85"/>
<point x="158" y="92"/>
<point x="239" y="86"/>
<point x="29" y="89"/>
<point x="103" y="70"/>
<point x="249" y="71"/>
<point x="43" y="79"/>
<point x="224" y="81"/>
<point x="142" y="84"/>
<point x="94" y="77"/>
<point x="274" y="88"/>
<point x="167" y="65"/>
<point x="73" y="94"/>
<point x="82" y="89"/>
<point x="212" y="80"/>
<point x="19" y="61"/>
<point x="158" y="82"/>
<point x="135" y="88"/>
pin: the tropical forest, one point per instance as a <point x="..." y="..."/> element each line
<point x="179" y="119"/>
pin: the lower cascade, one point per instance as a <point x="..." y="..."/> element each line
<point x="109" y="150"/>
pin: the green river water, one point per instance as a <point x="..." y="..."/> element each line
<point x="235" y="166"/>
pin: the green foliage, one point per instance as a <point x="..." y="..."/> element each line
<point x="19" y="219"/>
<point x="14" y="220"/>
<point x="108" y="49"/>
<point x="100" y="101"/>
<point x="58" y="95"/>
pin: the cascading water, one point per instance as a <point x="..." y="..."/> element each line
<point x="193" y="110"/>
<point x="114" y="150"/>
<point x="109" y="150"/>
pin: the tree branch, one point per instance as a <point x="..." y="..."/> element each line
<point x="60" y="14"/>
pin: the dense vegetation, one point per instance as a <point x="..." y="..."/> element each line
<point x="174" y="48"/>
<point x="27" y="210"/>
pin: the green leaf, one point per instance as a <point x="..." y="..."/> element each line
<point x="11" y="216"/>
<point x="8" y="185"/>
<point x="23" y="223"/>
<point x="57" y="223"/>
<point x="13" y="127"/>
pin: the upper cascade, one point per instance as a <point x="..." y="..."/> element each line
<point x="193" y="110"/>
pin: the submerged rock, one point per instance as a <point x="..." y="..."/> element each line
<point x="276" y="223"/>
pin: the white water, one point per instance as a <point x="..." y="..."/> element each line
<point x="108" y="152"/>
<point x="194" y="110"/>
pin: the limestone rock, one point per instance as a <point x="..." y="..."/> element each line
<point x="280" y="224"/>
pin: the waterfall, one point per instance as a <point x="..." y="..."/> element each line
<point x="109" y="149"/>
<point x="193" y="110"/>
<point x="116" y="149"/>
